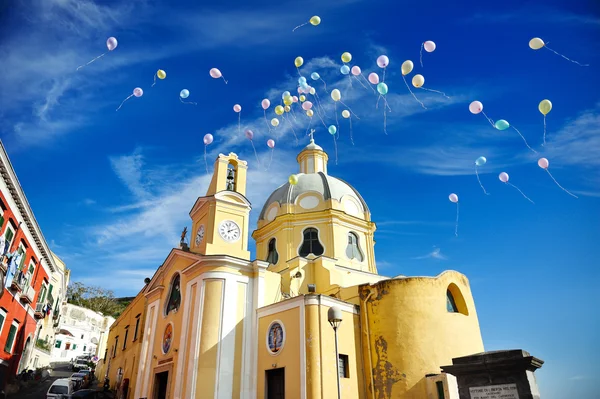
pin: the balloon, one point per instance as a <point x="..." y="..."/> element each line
<point x="279" y="110"/>
<point x="418" y="80"/>
<point x="332" y="129"/>
<point x="237" y="108"/>
<point x="293" y="179"/>
<point x="265" y="103"/>
<point x="382" y="88"/>
<point x="310" y="113"/>
<point x="407" y="67"/>
<point x="288" y="100"/>
<point x="138" y="92"/>
<point x="112" y="43"/>
<point x="275" y="122"/>
<point x="302" y="98"/>
<point x="287" y="108"/>
<point x="315" y="76"/>
<point x="295" y="99"/>
<point x="208" y="138"/>
<point x="346" y="114"/>
<point x="215" y="73"/>
<point x="301" y="80"/>
<point x="271" y="143"/>
<point x="545" y="107"/>
<point x="503" y="177"/>
<point x="285" y="94"/>
<point x="346" y="57"/>
<point x="536" y="43"/>
<point x="249" y="134"/>
<point x="161" y="74"/>
<point x="345" y="69"/>
<point x="453" y="198"/>
<point x="298" y="62"/>
<point x="429" y="46"/>
<point x="373" y="78"/>
<point x="316" y="20"/>
<point x="475" y="107"/>
<point x="336" y="95"/>
<point x="501" y="124"/>
<point x="312" y="91"/>
<point x="543" y="163"/>
<point x="480" y="161"/>
<point x="185" y="93"/>
<point x="307" y="105"/>
<point x="355" y="70"/>
<point x="383" y="61"/>
<point x="304" y="87"/>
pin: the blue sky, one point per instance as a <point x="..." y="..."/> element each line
<point x="112" y="190"/>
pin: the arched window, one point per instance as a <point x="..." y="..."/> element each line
<point x="272" y="255"/>
<point x="231" y="177"/>
<point x="353" y="250"/>
<point x="455" y="302"/>
<point x="174" y="296"/>
<point x="450" y="303"/>
<point x="311" y="244"/>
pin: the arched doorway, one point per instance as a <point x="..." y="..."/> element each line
<point x="25" y="355"/>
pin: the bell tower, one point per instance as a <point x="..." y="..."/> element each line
<point x="220" y="219"/>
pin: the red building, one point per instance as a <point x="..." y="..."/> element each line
<point x="25" y="266"/>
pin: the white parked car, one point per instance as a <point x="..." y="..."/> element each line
<point x="63" y="387"/>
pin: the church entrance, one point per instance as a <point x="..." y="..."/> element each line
<point x="275" y="383"/>
<point x="161" y="381"/>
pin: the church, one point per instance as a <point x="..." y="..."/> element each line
<point x="217" y="324"/>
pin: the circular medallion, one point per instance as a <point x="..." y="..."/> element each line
<point x="275" y="337"/>
<point x="167" y="339"/>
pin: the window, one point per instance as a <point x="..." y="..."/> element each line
<point x="74" y="346"/>
<point x="30" y="271"/>
<point x="231" y="180"/>
<point x="353" y="250"/>
<point x="440" y="389"/>
<point x="343" y="369"/>
<point x="125" y="340"/>
<point x="1" y="218"/>
<point x="174" y="296"/>
<point x="137" y="326"/>
<point x="57" y="344"/>
<point x="105" y="353"/>
<point x="272" y="256"/>
<point x="116" y="346"/>
<point x="450" y="303"/>
<point x="67" y="346"/>
<point x="81" y="336"/>
<point x="8" y="236"/>
<point x="2" y="318"/>
<point x="84" y="348"/>
<point x="42" y="294"/>
<point x="311" y="244"/>
<point x="10" y="340"/>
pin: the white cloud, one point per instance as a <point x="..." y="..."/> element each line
<point x="434" y="254"/>
<point x="578" y="378"/>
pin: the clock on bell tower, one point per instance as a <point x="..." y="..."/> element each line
<point x="220" y="219"/>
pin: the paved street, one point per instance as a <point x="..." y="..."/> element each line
<point x="39" y="391"/>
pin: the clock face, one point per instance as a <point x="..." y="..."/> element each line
<point x="229" y="231"/>
<point x="200" y="234"/>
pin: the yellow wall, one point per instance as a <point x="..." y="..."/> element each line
<point x="411" y="334"/>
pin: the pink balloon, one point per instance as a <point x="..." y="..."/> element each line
<point x="355" y="70"/>
<point x="453" y="197"/>
<point x="208" y="138"/>
<point x="543" y="163"/>
<point x="271" y="143"/>
<point x="295" y="99"/>
<point x="138" y="92"/>
<point x="429" y="46"/>
<point x="373" y="78"/>
<point x="306" y="90"/>
<point x="215" y="73"/>
<point x="249" y="134"/>
<point x="237" y="108"/>
<point x="265" y="103"/>
<point x="306" y="105"/>
<point x="475" y="107"/>
<point x="300" y="90"/>
<point x="383" y="61"/>
<point x="503" y="177"/>
<point x="112" y="43"/>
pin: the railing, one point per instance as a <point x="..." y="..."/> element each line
<point x="28" y="294"/>
<point x="43" y="345"/>
<point x="40" y="310"/>
<point x="50" y="299"/>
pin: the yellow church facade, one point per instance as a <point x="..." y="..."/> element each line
<point x="220" y="325"/>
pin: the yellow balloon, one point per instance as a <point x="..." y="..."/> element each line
<point x="418" y="80"/>
<point x="316" y="20"/>
<point x="161" y="74"/>
<point x="293" y="179"/>
<point x="288" y="100"/>
<point x="279" y="110"/>
<point x="407" y="67"/>
<point x="346" y="57"/>
<point x="310" y="113"/>
<point x="545" y="107"/>
<point x="536" y="43"/>
<point x="346" y="114"/>
<point x="336" y="95"/>
<point x="287" y="108"/>
<point x="298" y="62"/>
<point x="312" y="91"/>
<point x="302" y="98"/>
<point x="275" y="122"/>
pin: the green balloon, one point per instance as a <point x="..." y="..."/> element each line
<point x="501" y="124"/>
<point x="382" y="88"/>
<point x="332" y="130"/>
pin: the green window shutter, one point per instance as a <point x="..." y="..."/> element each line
<point x="50" y="289"/>
<point x="9" y="235"/>
<point x="1" y="322"/>
<point x="1" y="221"/>
<point x="10" y="338"/>
<point x="57" y="344"/>
<point x="74" y="346"/>
<point x="42" y="294"/>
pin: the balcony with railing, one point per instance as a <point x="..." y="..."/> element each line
<point x="40" y="310"/>
<point x="50" y="300"/>
<point x="27" y="295"/>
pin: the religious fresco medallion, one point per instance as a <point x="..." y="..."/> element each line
<point x="275" y="337"/>
<point x="167" y="338"/>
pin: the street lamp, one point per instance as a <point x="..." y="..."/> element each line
<point x="334" y="315"/>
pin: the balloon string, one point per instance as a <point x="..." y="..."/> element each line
<point x="421" y="54"/>
<point x="368" y="83"/>
<point x="544" y="130"/>
<point x="293" y="112"/>
<point x="324" y="85"/>
<point x="100" y="56"/>
<point x="413" y="94"/>
<point x="187" y="102"/>
<point x="309" y="123"/>
<point x="205" y="161"/>
<point x="266" y="121"/>
<point x="383" y="78"/>
<point x="131" y="95"/>
<point x="239" y="122"/>
<point x="435" y="91"/>
<point x="564" y="189"/>
<point x="377" y="104"/>
<point x="359" y="81"/>
<point x="573" y="61"/>
<point x="335" y="146"/>
<point x="299" y="26"/>
<point x="351" y="138"/>
<point x="456" y="228"/>
<point x="255" y="154"/>
<point x="319" y="106"/>
<point x="349" y="109"/>
<point x="481" y="185"/>
<point x="385" y="111"/>
<point x="350" y="79"/>
<point x="270" y="158"/>
<point x="489" y="120"/>
<point x="292" y="126"/>
<point x="319" y="103"/>
<point x="154" y="80"/>
<point x="336" y="117"/>
<point x="222" y="77"/>
<point x="526" y="197"/>
<point x="298" y="69"/>
<point x="524" y="140"/>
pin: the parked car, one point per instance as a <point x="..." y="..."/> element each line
<point x="79" y="365"/>
<point x="89" y="394"/>
<point x="79" y="380"/>
<point x="88" y="374"/>
<point x="61" y="387"/>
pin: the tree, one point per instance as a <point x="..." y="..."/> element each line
<point x="95" y="298"/>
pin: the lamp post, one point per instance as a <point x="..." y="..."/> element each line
<point x="334" y="315"/>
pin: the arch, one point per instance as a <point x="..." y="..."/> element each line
<point x="455" y="302"/>
<point x="353" y="250"/>
<point x="272" y="255"/>
<point x="311" y="243"/>
<point x="231" y="178"/>
<point x="174" y="298"/>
